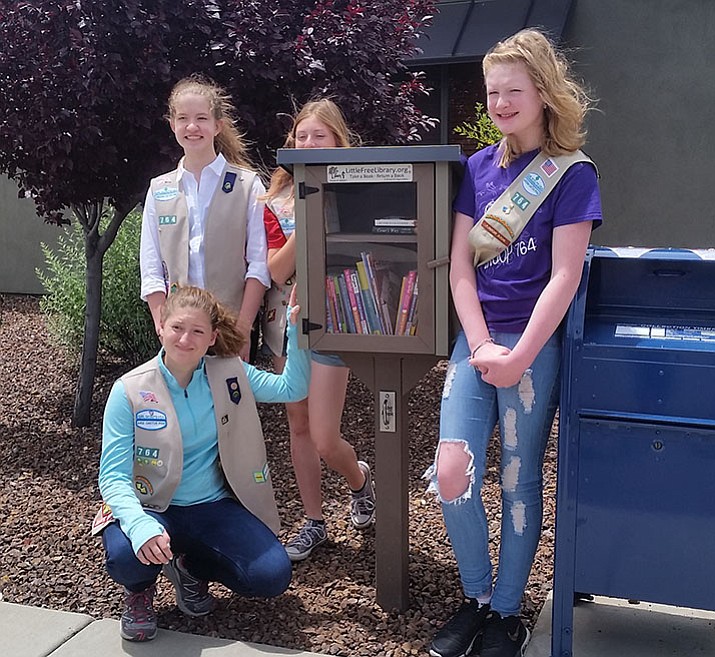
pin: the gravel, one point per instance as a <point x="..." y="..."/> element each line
<point x="49" y="495"/>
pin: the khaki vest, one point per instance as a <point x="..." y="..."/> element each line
<point x="158" y="453"/>
<point x="224" y="233"/>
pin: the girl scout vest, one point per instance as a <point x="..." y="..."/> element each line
<point x="224" y="233"/>
<point x="275" y="302"/>
<point x="158" y="453"/>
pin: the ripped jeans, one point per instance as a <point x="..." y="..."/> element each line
<point x="469" y="413"/>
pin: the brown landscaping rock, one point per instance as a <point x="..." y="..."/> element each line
<point x="48" y="496"/>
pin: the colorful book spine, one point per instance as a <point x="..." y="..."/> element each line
<point x="368" y="299"/>
<point x="352" y="278"/>
<point x="342" y="321"/>
<point x="381" y="285"/>
<point x="408" y="285"/>
<point x="332" y="318"/>
<point x="345" y="276"/>
<point x="411" y="326"/>
<point x="347" y="309"/>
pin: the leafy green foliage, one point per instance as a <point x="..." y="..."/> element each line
<point x="482" y="130"/>
<point x="126" y="329"/>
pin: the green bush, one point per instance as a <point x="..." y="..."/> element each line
<point x="126" y="329"/>
<point x="482" y="131"/>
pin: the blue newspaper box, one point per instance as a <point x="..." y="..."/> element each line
<point x="636" y="471"/>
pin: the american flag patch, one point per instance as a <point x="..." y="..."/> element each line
<point x="549" y="168"/>
<point x="148" y="396"/>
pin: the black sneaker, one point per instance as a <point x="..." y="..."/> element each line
<point x="192" y="593"/>
<point x="138" y="618"/>
<point x="311" y="535"/>
<point x="504" y="637"/>
<point x="458" y="637"/>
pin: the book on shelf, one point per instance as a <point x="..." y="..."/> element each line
<point x="411" y="325"/>
<point x="406" y="294"/>
<point x="368" y="299"/>
<point x="347" y="307"/>
<point x="351" y="278"/>
<point x="393" y="230"/>
<point x="352" y="300"/>
<point x="332" y="313"/>
<point x="393" y="221"/>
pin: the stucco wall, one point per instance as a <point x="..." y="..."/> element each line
<point x="650" y="64"/>
<point x="21" y="232"/>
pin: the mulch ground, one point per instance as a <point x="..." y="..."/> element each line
<point x="48" y="496"/>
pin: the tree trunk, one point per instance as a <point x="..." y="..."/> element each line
<point x="90" y="344"/>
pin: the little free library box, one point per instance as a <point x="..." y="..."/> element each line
<point x="372" y="258"/>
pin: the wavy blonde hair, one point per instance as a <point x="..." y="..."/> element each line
<point x="565" y="99"/>
<point x="229" y="340"/>
<point x="229" y="141"/>
<point x="328" y="113"/>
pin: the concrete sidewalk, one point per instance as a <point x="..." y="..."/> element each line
<point x="37" y="632"/>
<point x="616" y="628"/>
<point x="604" y="628"/>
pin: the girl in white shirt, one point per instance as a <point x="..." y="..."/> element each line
<point x="214" y="188"/>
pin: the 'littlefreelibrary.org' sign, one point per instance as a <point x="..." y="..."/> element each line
<point x="369" y="173"/>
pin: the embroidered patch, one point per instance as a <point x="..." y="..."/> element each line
<point x="103" y="518"/>
<point x="261" y="476"/>
<point x="224" y="419"/>
<point x="234" y="391"/>
<point x="167" y="219"/>
<point x="549" y="168"/>
<point x="521" y="201"/>
<point x="166" y="193"/>
<point x="533" y="183"/>
<point x="148" y="397"/>
<point x="150" y="420"/>
<point x="143" y="485"/>
<point x="147" y="456"/>
<point x="229" y="181"/>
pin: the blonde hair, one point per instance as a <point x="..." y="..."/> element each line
<point x="229" y="340"/>
<point x="229" y="141"/>
<point x="328" y="113"/>
<point x="565" y="99"/>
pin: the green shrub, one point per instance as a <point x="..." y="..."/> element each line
<point x="126" y="329"/>
<point x="482" y="131"/>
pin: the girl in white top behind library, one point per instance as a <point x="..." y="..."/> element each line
<point x="203" y="222"/>
<point x="504" y="368"/>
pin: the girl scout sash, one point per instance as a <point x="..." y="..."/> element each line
<point x="504" y="220"/>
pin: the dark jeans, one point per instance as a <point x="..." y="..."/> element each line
<point x="222" y="542"/>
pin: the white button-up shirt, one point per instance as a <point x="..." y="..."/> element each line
<point x="198" y="198"/>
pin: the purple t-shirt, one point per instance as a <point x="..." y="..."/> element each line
<point x="510" y="284"/>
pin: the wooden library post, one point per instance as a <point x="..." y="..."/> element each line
<point x="372" y="255"/>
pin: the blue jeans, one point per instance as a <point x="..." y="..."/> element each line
<point x="222" y="542"/>
<point x="470" y="410"/>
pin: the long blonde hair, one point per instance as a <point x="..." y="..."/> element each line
<point x="565" y="99"/>
<point x="328" y="113"/>
<point x="229" y="141"/>
<point x="229" y="340"/>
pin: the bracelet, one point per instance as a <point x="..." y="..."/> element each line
<point x="488" y="340"/>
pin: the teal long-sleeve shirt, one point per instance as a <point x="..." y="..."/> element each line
<point x="201" y="478"/>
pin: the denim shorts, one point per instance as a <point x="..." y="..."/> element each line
<point x="332" y="360"/>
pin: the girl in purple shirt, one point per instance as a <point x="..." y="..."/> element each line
<point x="505" y="364"/>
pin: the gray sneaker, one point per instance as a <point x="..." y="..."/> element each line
<point x="138" y="621"/>
<point x="311" y="535"/>
<point x="192" y="594"/>
<point x="362" y="506"/>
